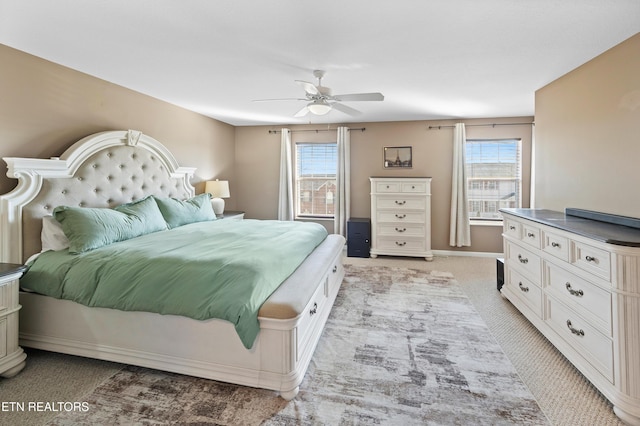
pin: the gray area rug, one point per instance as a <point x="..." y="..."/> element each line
<point x="401" y="346"/>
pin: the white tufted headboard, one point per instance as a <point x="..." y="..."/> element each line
<point x="101" y="170"/>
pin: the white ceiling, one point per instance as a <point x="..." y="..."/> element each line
<point x="432" y="59"/>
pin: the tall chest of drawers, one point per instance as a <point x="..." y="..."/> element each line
<point x="577" y="281"/>
<point x="401" y="217"/>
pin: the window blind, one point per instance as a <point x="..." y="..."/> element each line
<point x="494" y="176"/>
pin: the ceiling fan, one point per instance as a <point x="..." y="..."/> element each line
<point x="320" y="100"/>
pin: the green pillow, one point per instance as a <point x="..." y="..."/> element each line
<point x="90" y="228"/>
<point x="177" y="212"/>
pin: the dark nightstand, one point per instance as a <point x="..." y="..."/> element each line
<point x="358" y="237"/>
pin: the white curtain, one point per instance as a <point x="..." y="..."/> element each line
<point x="343" y="183"/>
<point x="285" y="198"/>
<point x="532" y="186"/>
<point x="460" y="231"/>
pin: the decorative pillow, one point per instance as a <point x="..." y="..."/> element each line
<point x="182" y="212"/>
<point x="90" y="228"/>
<point x="52" y="235"/>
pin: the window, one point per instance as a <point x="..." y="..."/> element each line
<point x="315" y="179"/>
<point x="494" y="178"/>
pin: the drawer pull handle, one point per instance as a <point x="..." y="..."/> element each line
<point x="531" y="235"/>
<point x="575" y="330"/>
<point x="577" y="293"/>
<point x="523" y="288"/>
<point x="401" y="244"/>
<point x="554" y="244"/>
<point x="335" y="269"/>
<point x="413" y="187"/>
<point x="401" y="216"/>
<point x="523" y="259"/>
<point x="590" y="259"/>
<point x="401" y="230"/>
<point x="513" y="228"/>
<point x="400" y="203"/>
<point x="314" y="310"/>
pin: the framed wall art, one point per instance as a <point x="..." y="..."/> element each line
<point x="397" y="156"/>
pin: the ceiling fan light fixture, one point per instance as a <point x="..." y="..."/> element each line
<point x="318" y="108"/>
<point x="320" y="101"/>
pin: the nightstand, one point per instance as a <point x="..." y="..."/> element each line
<point x="12" y="357"/>
<point x="230" y="214"/>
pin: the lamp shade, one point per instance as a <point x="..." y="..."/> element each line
<point x="217" y="188"/>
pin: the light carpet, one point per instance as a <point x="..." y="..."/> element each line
<point x="402" y="346"/>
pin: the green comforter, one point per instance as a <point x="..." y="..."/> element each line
<point x="219" y="269"/>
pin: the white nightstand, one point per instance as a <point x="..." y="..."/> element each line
<point x="12" y="357"/>
<point x="230" y="214"/>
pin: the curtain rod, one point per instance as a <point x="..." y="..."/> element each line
<point x="482" y="125"/>
<point x="362" y="129"/>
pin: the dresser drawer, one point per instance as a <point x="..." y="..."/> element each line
<point x="531" y="235"/>
<point x="513" y="228"/>
<point x="335" y="276"/>
<point x="414" y="187"/>
<point x="592" y="259"/>
<point x="593" y="345"/>
<point x="525" y="290"/>
<point x="399" y="202"/>
<point x="556" y="245"/>
<point x="399" y="217"/>
<point x="585" y="297"/>
<point x="311" y="316"/>
<point x="407" y="229"/>
<point x="388" y="186"/>
<point x="524" y="260"/>
<point x="403" y="243"/>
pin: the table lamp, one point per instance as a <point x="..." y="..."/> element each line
<point x="218" y="189"/>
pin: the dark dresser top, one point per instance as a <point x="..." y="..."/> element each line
<point x="11" y="268"/>
<point x="599" y="230"/>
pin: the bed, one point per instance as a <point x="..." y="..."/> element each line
<point x="115" y="168"/>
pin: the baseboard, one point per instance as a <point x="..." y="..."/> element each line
<point x="449" y="253"/>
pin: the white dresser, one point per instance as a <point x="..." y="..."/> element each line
<point x="401" y="217"/>
<point x="578" y="281"/>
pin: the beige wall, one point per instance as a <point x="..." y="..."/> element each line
<point x="45" y="107"/>
<point x="258" y="153"/>
<point x="587" y="146"/>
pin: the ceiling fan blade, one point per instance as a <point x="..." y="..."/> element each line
<point x="308" y="87"/>
<point x="280" y="99"/>
<point x="345" y="109"/>
<point x="359" y="97"/>
<point x="302" y="112"/>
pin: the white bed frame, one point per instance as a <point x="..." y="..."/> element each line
<point x="111" y="168"/>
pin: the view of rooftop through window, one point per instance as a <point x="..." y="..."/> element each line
<point x="493" y="176"/>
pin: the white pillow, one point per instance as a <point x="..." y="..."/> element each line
<point x="53" y="237"/>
